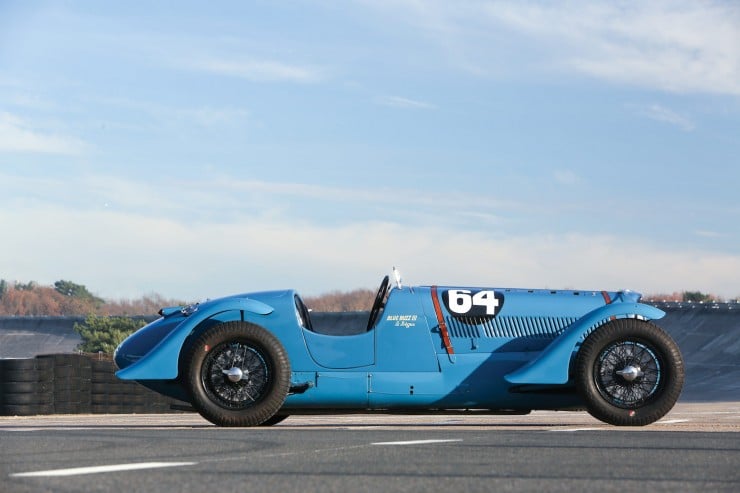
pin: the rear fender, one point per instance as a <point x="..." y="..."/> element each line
<point x="161" y="363"/>
<point x="552" y="366"/>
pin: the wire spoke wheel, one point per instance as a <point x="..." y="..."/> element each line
<point x="235" y="375"/>
<point x="629" y="372"/>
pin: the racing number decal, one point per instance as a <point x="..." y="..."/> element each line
<point x="463" y="303"/>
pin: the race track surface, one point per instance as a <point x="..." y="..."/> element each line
<point x="695" y="448"/>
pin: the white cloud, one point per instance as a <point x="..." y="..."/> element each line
<point x="126" y="238"/>
<point x="710" y="234"/>
<point x="207" y="116"/>
<point x="119" y="254"/>
<point x="405" y="103"/>
<point x="677" y="46"/>
<point x="661" y="114"/>
<point x="226" y="199"/>
<point x="17" y="135"/>
<point x="567" y="177"/>
<point x="258" y="70"/>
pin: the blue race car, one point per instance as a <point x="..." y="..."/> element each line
<point x="254" y="359"/>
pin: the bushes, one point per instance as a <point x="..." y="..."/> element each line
<point x="104" y="334"/>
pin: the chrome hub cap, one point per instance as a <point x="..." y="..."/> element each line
<point x="630" y="373"/>
<point x="234" y="374"/>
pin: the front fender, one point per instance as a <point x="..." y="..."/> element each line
<point x="552" y="366"/>
<point x="161" y="363"/>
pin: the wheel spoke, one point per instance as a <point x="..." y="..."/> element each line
<point x="628" y="373"/>
<point x="249" y="388"/>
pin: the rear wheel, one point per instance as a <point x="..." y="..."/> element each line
<point x="238" y="374"/>
<point x="629" y="372"/>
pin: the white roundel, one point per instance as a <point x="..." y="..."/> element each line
<point x="484" y="303"/>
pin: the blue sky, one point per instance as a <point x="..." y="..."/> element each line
<point x="197" y="149"/>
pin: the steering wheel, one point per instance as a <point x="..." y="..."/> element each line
<point x="378" y="304"/>
<point x="301" y="311"/>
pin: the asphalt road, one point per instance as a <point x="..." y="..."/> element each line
<point x="695" y="448"/>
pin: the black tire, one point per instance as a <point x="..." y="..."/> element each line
<point x="277" y="418"/>
<point x="251" y="352"/>
<point x="46" y="398"/>
<point x="30" y="375"/>
<point x="67" y="384"/>
<point x="102" y="366"/>
<point x="66" y="372"/>
<point x="45" y="409"/>
<point x="630" y="372"/>
<point x="18" y="388"/>
<point x="19" y="410"/>
<point x="19" y="399"/>
<point x="44" y="363"/>
<point x="99" y="388"/>
<point x="67" y="408"/>
<point x="17" y="364"/>
<point x="67" y="396"/>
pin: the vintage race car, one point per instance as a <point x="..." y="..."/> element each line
<point x="254" y="359"/>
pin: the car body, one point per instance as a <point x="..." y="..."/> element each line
<point x="254" y="359"/>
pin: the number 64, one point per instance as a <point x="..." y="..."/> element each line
<point x="462" y="301"/>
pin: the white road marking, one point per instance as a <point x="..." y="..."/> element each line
<point x="418" y="442"/>
<point x="672" y="421"/>
<point x="76" y="471"/>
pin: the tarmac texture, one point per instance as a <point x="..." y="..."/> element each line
<point x="695" y="448"/>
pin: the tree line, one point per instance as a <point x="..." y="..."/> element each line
<point x="67" y="298"/>
<point x="108" y="322"/>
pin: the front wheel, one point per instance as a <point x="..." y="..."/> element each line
<point x="238" y="374"/>
<point x="629" y="372"/>
<point x="278" y="418"/>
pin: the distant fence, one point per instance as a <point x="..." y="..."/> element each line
<point x="72" y="384"/>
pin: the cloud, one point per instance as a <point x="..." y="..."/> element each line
<point x="258" y="70"/>
<point x="125" y="255"/>
<point x="208" y="117"/>
<point x="17" y="135"/>
<point x="710" y="234"/>
<point x="677" y="46"/>
<point x="674" y="46"/>
<point x="205" y="116"/>
<point x="230" y="200"/>
<point x="124" y="238"/>
<point x="405" y="103"/>
<point x="661" y="114"/>
<point x="567" y="177"/>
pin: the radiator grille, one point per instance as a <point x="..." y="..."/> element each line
<point x="509" y="327"/>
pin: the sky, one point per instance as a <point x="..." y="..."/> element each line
<point x="199" y="149"/>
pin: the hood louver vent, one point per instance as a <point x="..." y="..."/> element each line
<point x="508" y="327"/>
